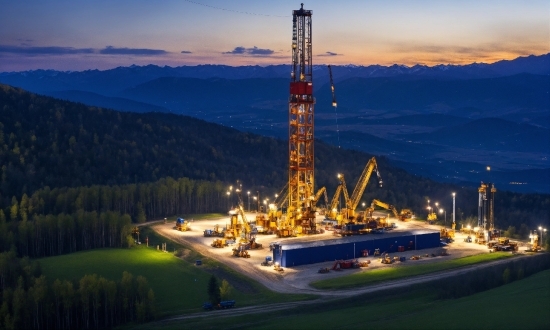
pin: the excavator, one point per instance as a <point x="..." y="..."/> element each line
<point x="404" y="215"/>
<point x="353" y="201"/>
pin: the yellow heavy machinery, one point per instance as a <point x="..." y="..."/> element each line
<point x="321" y="192"/>
<point x="386" y="259"/>
<point x="274" y="212"/>
<point x="219" y="243"/>
<point x="406" y="214"/>
<point x="534" y="242"/>
<point x="182" y="224"/>
<point x="503" y="244"/>
<point x="333" y="213"/>
<point x="432" y="216"/>
<point x="240" y="251"/>
<point x="479" y="236"/>
<point x="447" y="233"/>
<point x="386" y="206"/>
<point x="353" y="201"/>
<point x="236" y="229"/>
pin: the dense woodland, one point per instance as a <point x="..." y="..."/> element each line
<point x="30" y="301"/>
<point x="68" y="171"/>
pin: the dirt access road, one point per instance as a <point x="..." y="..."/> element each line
<point x="297" y="279"/>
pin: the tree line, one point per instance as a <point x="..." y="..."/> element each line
<point x="29" y="300"/>
<point x="49" y="235"/>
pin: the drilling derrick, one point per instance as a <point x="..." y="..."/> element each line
<point x="486" y="206"/>
<point x="300" y="214"/>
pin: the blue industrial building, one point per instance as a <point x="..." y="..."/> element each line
<point x="288" y="254"/>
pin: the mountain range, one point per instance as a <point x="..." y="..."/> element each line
<point x="447" y="121"/>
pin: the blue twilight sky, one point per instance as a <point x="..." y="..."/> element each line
<point x="101" y="34"/>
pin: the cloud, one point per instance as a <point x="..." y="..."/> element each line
<point x="50" y="50"/>
<point x="110" y="50"/>
<point x="254" y="51"/>
<point x="330" y="54"/>
<point x="186" y="52"/>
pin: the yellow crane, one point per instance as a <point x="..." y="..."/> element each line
<point x="321" y="192"/>
<point x="353" y="201"/>
<point x="333" y="210"/>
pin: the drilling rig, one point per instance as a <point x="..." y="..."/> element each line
<point x="486" y="214"/>
<point x="300" y="217"/>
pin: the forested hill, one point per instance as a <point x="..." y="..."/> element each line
<point x="54" y="143"/>
<point x="49" y="142"/>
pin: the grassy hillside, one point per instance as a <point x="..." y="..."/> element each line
<point x="519" y="305"/>
<point x="179" y="285"/>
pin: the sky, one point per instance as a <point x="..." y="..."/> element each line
<point x="75" y="35"/>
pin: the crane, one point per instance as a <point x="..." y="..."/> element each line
<point x="333" y="210"/>
<point x="322" y="191"/>
<point x="353" y="201"/>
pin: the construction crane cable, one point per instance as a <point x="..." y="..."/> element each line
<point x="231" y="10"/>
<point x="334" y="104"/>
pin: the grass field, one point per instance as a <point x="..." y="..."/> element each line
<point x="179" y="285"/>
<point x="519" y="305"/>
<point x="405" y="270"/>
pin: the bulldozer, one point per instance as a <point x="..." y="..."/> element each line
<point x="182" y="224"/>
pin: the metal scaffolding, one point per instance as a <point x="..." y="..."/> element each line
<point x="300" y="215"/>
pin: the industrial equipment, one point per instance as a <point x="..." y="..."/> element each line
<point x="182" y="224"/>
<point x="219" y="243"/>
<point x="447" y="234"/>
<point x="386" y="206"/>
<point x="216" y="232"/>
<point x="353" y="201"/>
<point x="268" y="261"/>
<point x="406" y="214"/>
<point x="300" y="216"/>
<point x="241" y="251"/>
<point x="432" y="216"/>
<point x="321" y="192"/>
<point x="486" y="216"/>
<point x="504" y="244"/>
<point x="386" y="259"/>
<point x="333" y="213"/>
<point x="278" y="267"/>
<point x="324" y="270"/>
<point x="239" y="229"/>
<point x="534" y="242"/>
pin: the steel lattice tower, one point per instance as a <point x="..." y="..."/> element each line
<point x="301" y="125"/>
